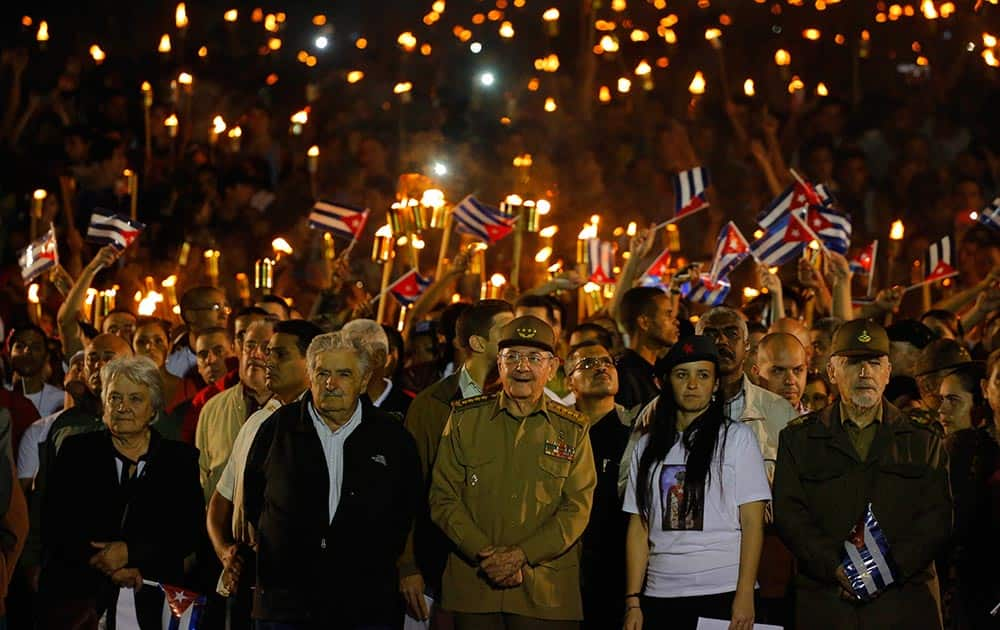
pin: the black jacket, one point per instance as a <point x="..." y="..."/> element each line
<point x="314" y="570"/>
<point x="636" y="384"/>
<point x="159" y="516"/>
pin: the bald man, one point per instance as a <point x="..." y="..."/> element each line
<point x="781" y="367"/>
<point x="794" y="327"/>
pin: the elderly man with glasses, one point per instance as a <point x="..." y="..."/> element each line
<point x="512" y="488"/>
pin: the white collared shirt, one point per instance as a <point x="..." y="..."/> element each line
<point x="467" y="385"/>
<point x="734" y="406"/>
<point x="333" y="450"/>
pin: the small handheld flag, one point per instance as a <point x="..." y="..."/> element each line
<point x="990" y="216"/>
<point x="867" y="560"/>
<point x="689" y="191"/>
<point x="795" y="199"/>
<point x="833" y="228"/>
<point x="703" y="291"/>
<point x="601" y="261"/>
<point x="408" y="288"/>
<point x="782" y="242"/>
<point x="731" y="248"/>
<point x="864" y="262"/>
<point x="182" y="609"/>
<point x="938" y="264"/>
<point x="39" y="256"/>
<point x="484" y="222"/>
<point x="659" y="267"/>
<point x="109" y="228"/>
<point x="339" y="219"/>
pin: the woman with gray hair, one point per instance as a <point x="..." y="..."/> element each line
<point x="122" y="505"/>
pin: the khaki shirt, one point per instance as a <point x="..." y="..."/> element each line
<point x="861" y="438"/>
<point x="500" y="480"/>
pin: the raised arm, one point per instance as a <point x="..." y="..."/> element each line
<point x="69" y="312"/>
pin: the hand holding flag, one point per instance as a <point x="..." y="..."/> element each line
<point x="731" y="248"/>
<point x="109" y="228"/>
<point x="39" y="256"/>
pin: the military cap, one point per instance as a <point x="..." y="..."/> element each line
<point x="912" y="332"/>
<point x="941" y="355"/>
<point x="688" y="350"/>
<point x="528" y="330"/>
<point x="860" y="338"/>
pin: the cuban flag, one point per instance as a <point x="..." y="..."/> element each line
<point x="659" y="268"/>
<point x="482" y="221"/>
<point x="990" y="216"/>
<point x="938" y="265"/>
<point x="731" y="248"/>
<point x="339" y="219"/>
<point x="833" y="228"/>
<point x="109" y="228"/>
<point x="864" y="262"/>
<point x="600" y="261"/>
<point x="182" y="609"/>
<point x="40" y="256"/>
<point x="689" y="191"/>
<point x="782" y="242"/>
<point x="703" y="291"/>
<point x="795" y="199"/>
<point x="867" y="559"/>
<point x="408" y="288"/>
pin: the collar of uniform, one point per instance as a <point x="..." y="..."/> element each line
<point x="844" y="418"/>
<point x="467" y="384"/>
<point x="503" y="403"/>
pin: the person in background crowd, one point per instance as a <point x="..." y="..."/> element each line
<point x="834" y="463"/>
<point x="966" y="571"/>
<point x="515" y="565"/>
<point x="589" y="331"/>
<point x="907" y="338"/>
<point x="287" y="377"/>
<point x="944" y="324"/>
<point x="152" y="340"/>
<point x="68" y="318"/>
<point x="29" y="354"/>
<point x="648" y="318"/>
<point x="276" y="307"/>
<point x="212" y="347"/>
<point x="13" y="517"/>
<point x="991" y="392"/>
<point x="381" y="391"/>
<point x="781" y="368"/>
<point x="120" y="322"/>
<point x="222" y="416"/>
<point x="323" y="475"/>
<point x="593" y="379"/>
<point x="798" y="330"/>
<point x="817" y="394"/>
<point x="423" y="561"/>
<point x="696" y="493"/>
<point x="820" y="338"/>
<point x="937" y="360"/>
<point x="201" y="307"/>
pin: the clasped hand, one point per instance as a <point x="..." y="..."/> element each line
<point x="502" y="565"/>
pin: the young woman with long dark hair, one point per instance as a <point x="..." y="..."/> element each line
<point x="696" y="492"/>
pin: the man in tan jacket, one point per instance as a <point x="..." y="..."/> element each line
<point x="512" y="487"/>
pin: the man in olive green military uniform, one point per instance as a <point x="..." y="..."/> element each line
<point x="832" y="463"/>
<point x="512" y="487"/>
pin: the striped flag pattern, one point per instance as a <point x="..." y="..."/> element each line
<point x="990" y="216"/>
<point x="783" y="241"/>
<point x="703" y="291"/>
<point x="40" y="256"/>
<point x="795" y="198"/>
<point x="867" y="559"/>
<point x="938" y="264"/>
<point x="182" y="609"/>
<point x="600" y="261"/>
<point x="689" y="191"/>
<point x="109" y="228"/>
<point x="731" y="248"/>
<point x="408" y="288"/>
<point x="833" y="228"/>
<point x="659" y="267"/>
<point x="864" y="262"/>
<point x="484" y="222"/>
<point x="338" y="218"/>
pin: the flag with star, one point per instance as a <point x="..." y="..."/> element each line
<point x="689" y="191"/>
<point x="600" y="261"/>
<point x="938" y="263"/>
<point x="338" y="219"/>
<point x="109" y="228"/>
<point x="182" y="609"/>
<point x="833" y="228"/>
<point x="480" y="220"/>
<point x="408" y="288"/>
<point x="659" y="267"/>
<point x="39" y="256"/>
<point x="731" y="248"/>
<point x="796" y="198"/>
<point x="782" y="242"/>
<point x="703" y="291"/>
<point x="864" y="262"/>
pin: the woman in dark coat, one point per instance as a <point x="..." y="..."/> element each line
<point x="123" y="505"/>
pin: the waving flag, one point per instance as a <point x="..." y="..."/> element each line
<point x="795" y="199"/>
<point x="182" y="609"/>
<point x="337" y="218"/>
<point x="782" y="242"/>
<point x="689" y="191"/>
<point x="731" y="248"/>
<point x="109" y="228"/>
<point x="864" y="262"/>
<point x="408" y="288"/>
<point x="660" y="266"/>
<point x="938" y="265"/>
<point x="703" y="291"/>
<point x="476" y="218"/>
<point x="833" y="228"/>
<point x="867" y="560"/>
<point x="600" y="261"/>
<point x="990" y="216"/>
<point x="40" y="256"/>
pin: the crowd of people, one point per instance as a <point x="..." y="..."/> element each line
<point x="518" y="456"/>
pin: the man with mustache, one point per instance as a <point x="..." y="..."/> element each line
<point x="223" y="415"/>
<point x="834" y="463"/>
<point x="781" y="367"/>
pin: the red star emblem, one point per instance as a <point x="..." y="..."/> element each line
<point x="687" y="348"/>
<point x="497" y="232"/>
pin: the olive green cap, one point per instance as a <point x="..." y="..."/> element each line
<point x="528" y="330"/>
<point x="860" y="338"/>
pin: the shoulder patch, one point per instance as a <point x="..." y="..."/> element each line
<point x="475" y="401"/>
<point x="568" y="413"/>
<point x="802" y="420"/>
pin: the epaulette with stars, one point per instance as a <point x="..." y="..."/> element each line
<point x="568" y="413"/>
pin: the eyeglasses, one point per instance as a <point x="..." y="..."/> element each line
<point x="534" y="359"/>
<point x="593" y="363"/>
<point x="732" y="333"/>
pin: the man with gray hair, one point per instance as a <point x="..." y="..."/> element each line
<point x="324" y="475"/>
<point x="381" y="391"/>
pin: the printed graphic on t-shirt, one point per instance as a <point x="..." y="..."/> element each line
<point x="672" y="499"/>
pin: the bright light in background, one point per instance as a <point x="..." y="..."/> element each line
<point x="476" y="48"/>
<point x="487" y="79"/>
<point x="440" y="169"/>
<point x="322" y="42"/>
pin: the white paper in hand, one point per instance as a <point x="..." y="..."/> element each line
<point x="719" y="624"/>
<point x="409" y="623"/>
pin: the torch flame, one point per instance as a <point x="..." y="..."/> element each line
<point x="281" y="246"/>
<point x="896" y="232"/>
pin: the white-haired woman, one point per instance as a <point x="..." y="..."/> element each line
<point x="122" y="505"/>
